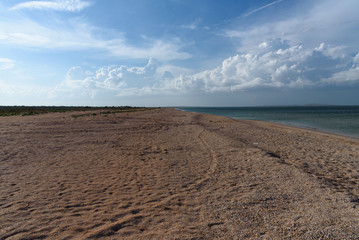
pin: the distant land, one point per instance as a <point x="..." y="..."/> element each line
<point x="34" y="110"/>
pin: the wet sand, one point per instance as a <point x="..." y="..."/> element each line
<point x="168" y="174"/>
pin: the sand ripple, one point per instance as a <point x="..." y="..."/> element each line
<point x="167" y="174"/>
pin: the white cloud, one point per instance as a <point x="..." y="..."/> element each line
<point x="192" y="26"/>
<point x="350" y="75"/>
<point x="150" y="79"/>
<point x="78" y="35"/>
<point x="115" y="79"/>
<point x="272" y="64"/>
<point x="107" y="81"/>
<point x="329" y="20"/>
<point x="309" y="56"/>
<point x="333" y="52"/>
<point x="171" y="71"/>
<point x="58" y="5"/>
<point x="159" y="49"/>
<point x="19" y="30"/>
<point x="26" y="33"/>
<point x="294" y="52"/>
<point x="279" y="67"/>
<point x="6" y="63"/>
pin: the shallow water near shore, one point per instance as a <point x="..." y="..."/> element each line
<point x="343" y="120"/>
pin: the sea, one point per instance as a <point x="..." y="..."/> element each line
<point x="342" y="120"/>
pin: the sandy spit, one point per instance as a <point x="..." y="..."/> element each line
<point x="168" y="174"/>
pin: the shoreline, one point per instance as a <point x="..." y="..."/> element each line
<point x="316" y="129"/>
<point x="305" y="128"/>
<point x="319" y="130"/>
<point x="167" y="174"/>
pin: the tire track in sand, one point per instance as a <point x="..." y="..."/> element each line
<point x="214" y="161"/>
<point x="137" y="215"/>
<point x="196" y="183"/>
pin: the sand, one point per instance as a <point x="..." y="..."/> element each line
<point x="168" y="174"/>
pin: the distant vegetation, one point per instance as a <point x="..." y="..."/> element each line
<point x="112" y="111"/>
<point x="34" y="110"/>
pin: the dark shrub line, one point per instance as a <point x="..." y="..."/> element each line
<point x="33" y="110"/>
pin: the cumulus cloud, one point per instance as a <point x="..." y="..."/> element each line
<point x="333" y="52"/>
<point x="350" y="75"/>
<point x="272" y="64"/>
<point x="58" y="5"/>
<point x="6" y="63"/>
<point x="115" y="79"/>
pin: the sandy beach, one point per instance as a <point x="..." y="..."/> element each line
<point x="168" y="174"/>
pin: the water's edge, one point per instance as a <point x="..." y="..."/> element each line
<point x="333" y="128"/>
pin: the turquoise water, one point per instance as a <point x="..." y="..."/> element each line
<point x="343" y="120"/>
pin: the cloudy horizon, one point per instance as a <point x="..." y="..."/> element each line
<point x="179" y="53"/>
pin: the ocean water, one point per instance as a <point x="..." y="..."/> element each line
<point x="343" y="120"/>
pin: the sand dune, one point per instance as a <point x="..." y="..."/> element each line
<point x="167" y="174"/>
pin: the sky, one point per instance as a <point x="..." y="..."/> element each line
<point x="179" y="52"/>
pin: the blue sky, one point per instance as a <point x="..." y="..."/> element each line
<point x="179" y="52"/>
